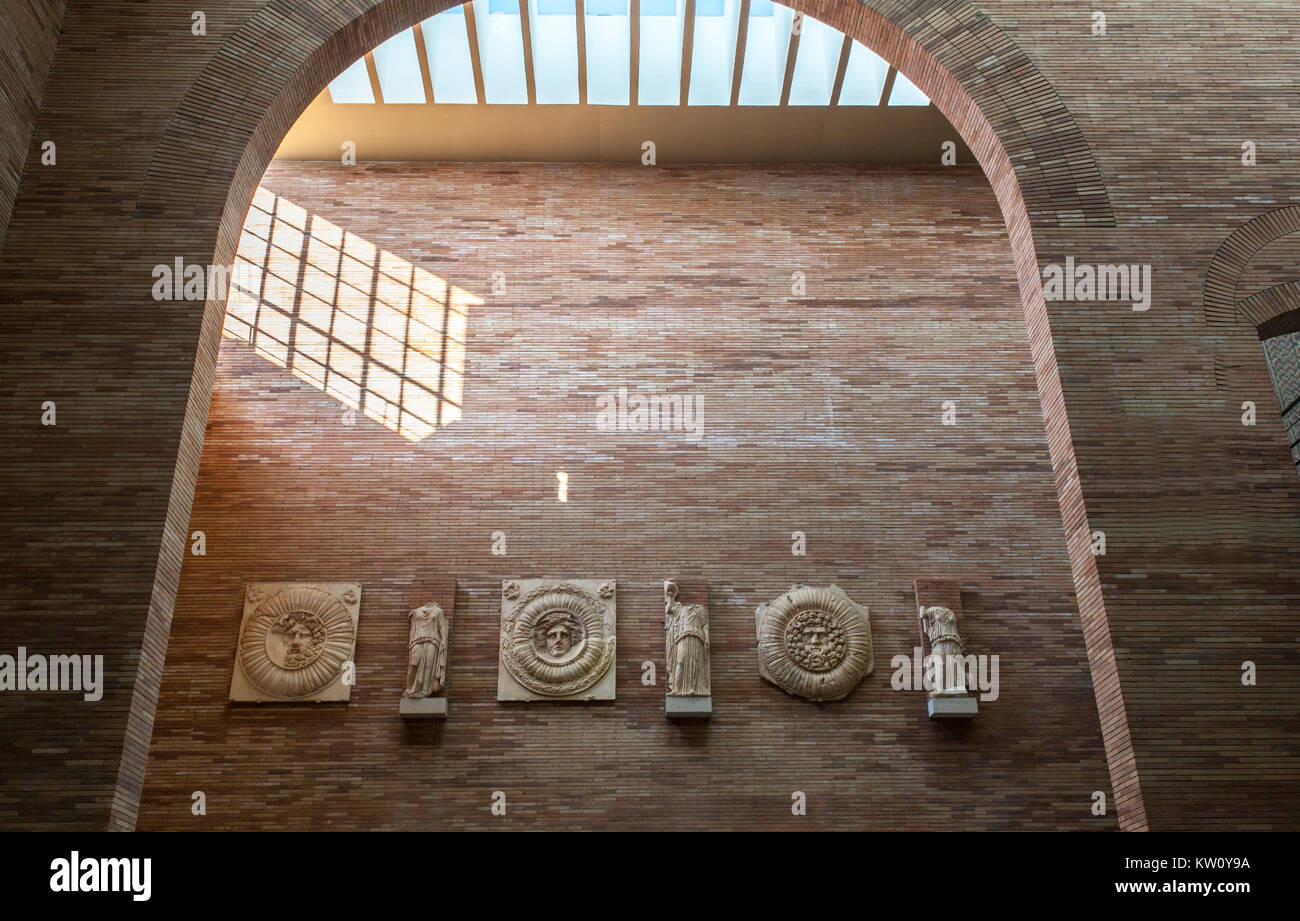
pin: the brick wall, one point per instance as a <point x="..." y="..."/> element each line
<point x="29" y="31"/>
<point x="821" y="414"/>
<point x="164" y="136"/>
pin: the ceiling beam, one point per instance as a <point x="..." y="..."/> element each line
<point x="688" y="46"/>
<point x="580" y="15"/>
<point x="845" y="49"/>
<point x="471" y="28"/>
<point x="372" y="71"/>
<point x="888" y="88"/>
<point x="634" y="57"/>
<point x="791" y="53"/>
<point x="525" y="27"/>
<point x="426" y="73"/>
<point x="742" y="35"/>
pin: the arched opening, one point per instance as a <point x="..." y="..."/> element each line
<point x="988" y="90"/>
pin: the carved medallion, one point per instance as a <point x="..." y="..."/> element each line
<point x="557" y="640"/>
<point x="814" y="642"/>
<point x="295" y="640"/>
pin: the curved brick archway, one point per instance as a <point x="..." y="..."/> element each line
<point x="1222" y="308"/>
<point x="219" y="142"/>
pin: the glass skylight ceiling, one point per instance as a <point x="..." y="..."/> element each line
<point x="487" y="52"/>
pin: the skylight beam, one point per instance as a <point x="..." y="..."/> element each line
<point x="525" y="27"/>
<point x="790" y="57"/>
<point x="846" y="47"/>
<point x="471" y="28"/>
<point x="580" y="17"/>
<point x="634" y="51"/>
<point x="422" y="53"/>
<point x="373" y="73"/>
<point x="738" y="61"/>
<point x="688" y="50"/>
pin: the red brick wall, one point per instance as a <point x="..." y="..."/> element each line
<point x="821" y="414"/>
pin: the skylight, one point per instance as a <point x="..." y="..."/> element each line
<point x="353" y="85"/>
<point x="905" y="93"/>
<point x="659" y="81"/>
<point x="609" y="54"/>
<point x="451" y="66"/>
<point x="501" y="51"/>
<point x="864" y="78"/>
<point x="398" y="65"/>
<point x="553" y="27"/>
<point x="816" y="64"/>
<point x="767" y="46"/>
<point x="569" y="52"/>
<point x="713" y="57"/>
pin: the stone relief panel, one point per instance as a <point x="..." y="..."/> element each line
<point x="557" y="639"/>
<point x="295" y="641"/>
<point x="814" y="642"/>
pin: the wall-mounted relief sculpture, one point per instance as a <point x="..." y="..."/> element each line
<point x="814" y="642"/>
<point x="943" y="670"/>
<point x="426" y="663"/>
<point x="296" y="642"/>
<point x="557" y="639"/>
<point x="686" y="640"/>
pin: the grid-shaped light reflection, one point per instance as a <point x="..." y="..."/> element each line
<point x="367" y="327"/>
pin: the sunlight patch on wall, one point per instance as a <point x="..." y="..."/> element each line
<point x="374" y="331"/>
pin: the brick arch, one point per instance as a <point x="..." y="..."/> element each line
<point x="1222" y="308"/>
<point x="220" y="140"/>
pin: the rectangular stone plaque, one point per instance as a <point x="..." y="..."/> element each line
<point x="296" y="642"/>
<point x="557" y="640"/>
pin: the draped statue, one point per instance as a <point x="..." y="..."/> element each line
<point x="686" y="633"/>
<point x="940" y="627"/>
<point x="426" y="669"/>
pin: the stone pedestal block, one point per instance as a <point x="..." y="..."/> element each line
<point x="433" y="708"/>
<point x="688" y="708"/>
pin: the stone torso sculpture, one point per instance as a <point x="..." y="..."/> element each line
<point x="940" y="627"/>
<point x="426" y="669"/>
<point x="686" y="630"/>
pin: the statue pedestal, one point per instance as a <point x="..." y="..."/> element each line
<point x="965" y="706"/>
<point x="688" y="708"/>
<point x="433" y="708"/>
